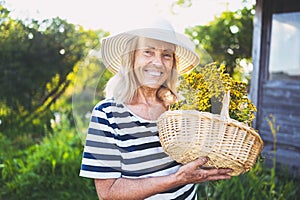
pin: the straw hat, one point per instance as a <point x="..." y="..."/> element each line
<point x="114" y="46"/>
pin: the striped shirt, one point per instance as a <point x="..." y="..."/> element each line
<point x="121" y="144"/>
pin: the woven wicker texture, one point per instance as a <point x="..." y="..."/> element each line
<point x="186" y="135"/>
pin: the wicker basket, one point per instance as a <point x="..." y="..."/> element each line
<point x="186" y="135"/>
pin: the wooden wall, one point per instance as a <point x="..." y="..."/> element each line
<point x="280" y="98"/>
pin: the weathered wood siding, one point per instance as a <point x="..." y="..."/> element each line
<point x="282" y="100"/>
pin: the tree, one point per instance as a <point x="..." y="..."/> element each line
<point x="228" y="39"/>
<point x="36" y="59"/>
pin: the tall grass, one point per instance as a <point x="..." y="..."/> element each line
<point x="259" y="183"/>
<point x="48" y="170"/>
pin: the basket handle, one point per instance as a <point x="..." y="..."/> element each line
<point x="225" y="106"/>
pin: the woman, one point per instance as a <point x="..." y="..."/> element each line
<point x="122" y="152"/>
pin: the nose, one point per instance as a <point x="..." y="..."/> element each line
<point x="157" y="60"/>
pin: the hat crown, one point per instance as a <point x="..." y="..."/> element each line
<point x="161" y="23"/>
<point x="157" y="23"/>
<point x="113" y="47"/>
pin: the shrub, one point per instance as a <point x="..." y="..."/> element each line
<point x="48" y="170"/>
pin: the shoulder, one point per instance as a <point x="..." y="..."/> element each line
<point x="107" y="105"/>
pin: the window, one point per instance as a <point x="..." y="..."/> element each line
<point x="285" y="47"/>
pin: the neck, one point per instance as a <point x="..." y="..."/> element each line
<point x="146" y="95"/>
<point x="146" y="105"/>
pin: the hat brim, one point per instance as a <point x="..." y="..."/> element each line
<point x="113" y="47"/>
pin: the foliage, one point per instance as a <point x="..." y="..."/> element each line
<point x="228" y="39"/>
<point x="40" y="61"/>
<point x="203" y="90"/>
<point x="258" y="183"/>
<point x="36" y="60"/>
<point x="48" y="170"/>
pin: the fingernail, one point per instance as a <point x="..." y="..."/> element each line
<point x="204" y="159"/>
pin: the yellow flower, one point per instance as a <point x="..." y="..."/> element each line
<point x="211" y="81"/>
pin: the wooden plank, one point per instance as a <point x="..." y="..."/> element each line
<point x="290" y="155"/>
<point x="279" y="108"/>
<point x="281" y="119"/>
<point x="286" y="94"/>
<point x="283" y="129"/>
<point x="289" y="141"/>
<point x="281" y="84"/>
<point x="282" y="95"/>
<point x="282" y="105"/>
<point x="256" y="52"/>
<point x="285" y="159"/>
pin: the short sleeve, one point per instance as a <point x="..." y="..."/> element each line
<point x="101" y="156"/>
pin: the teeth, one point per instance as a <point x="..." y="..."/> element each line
<point x="154" y="73"/>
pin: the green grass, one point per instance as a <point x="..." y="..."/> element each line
<point x="259" y="183"/>
<point x="48" y="168"/>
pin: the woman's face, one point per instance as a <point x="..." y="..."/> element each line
<point x="153" y="62"/>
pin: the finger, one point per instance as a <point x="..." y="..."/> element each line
<point x="215" y="174"/>
<point x="221" y="171"/>
<point x="201" y="161"/>
<point x="218" y="177"/>
<point x="196" y="164"/>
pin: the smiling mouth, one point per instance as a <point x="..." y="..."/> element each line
<point x="154" y="73"/>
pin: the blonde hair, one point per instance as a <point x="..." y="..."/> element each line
<point x="123" y="85"/>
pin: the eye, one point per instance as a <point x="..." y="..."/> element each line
<point x="168" y="55"/>
<point x="147" y="52"/>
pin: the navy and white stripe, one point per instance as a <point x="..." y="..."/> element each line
<point x="121" y="144"/>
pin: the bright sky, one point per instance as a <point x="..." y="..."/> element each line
<point x="117" y="15"/>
